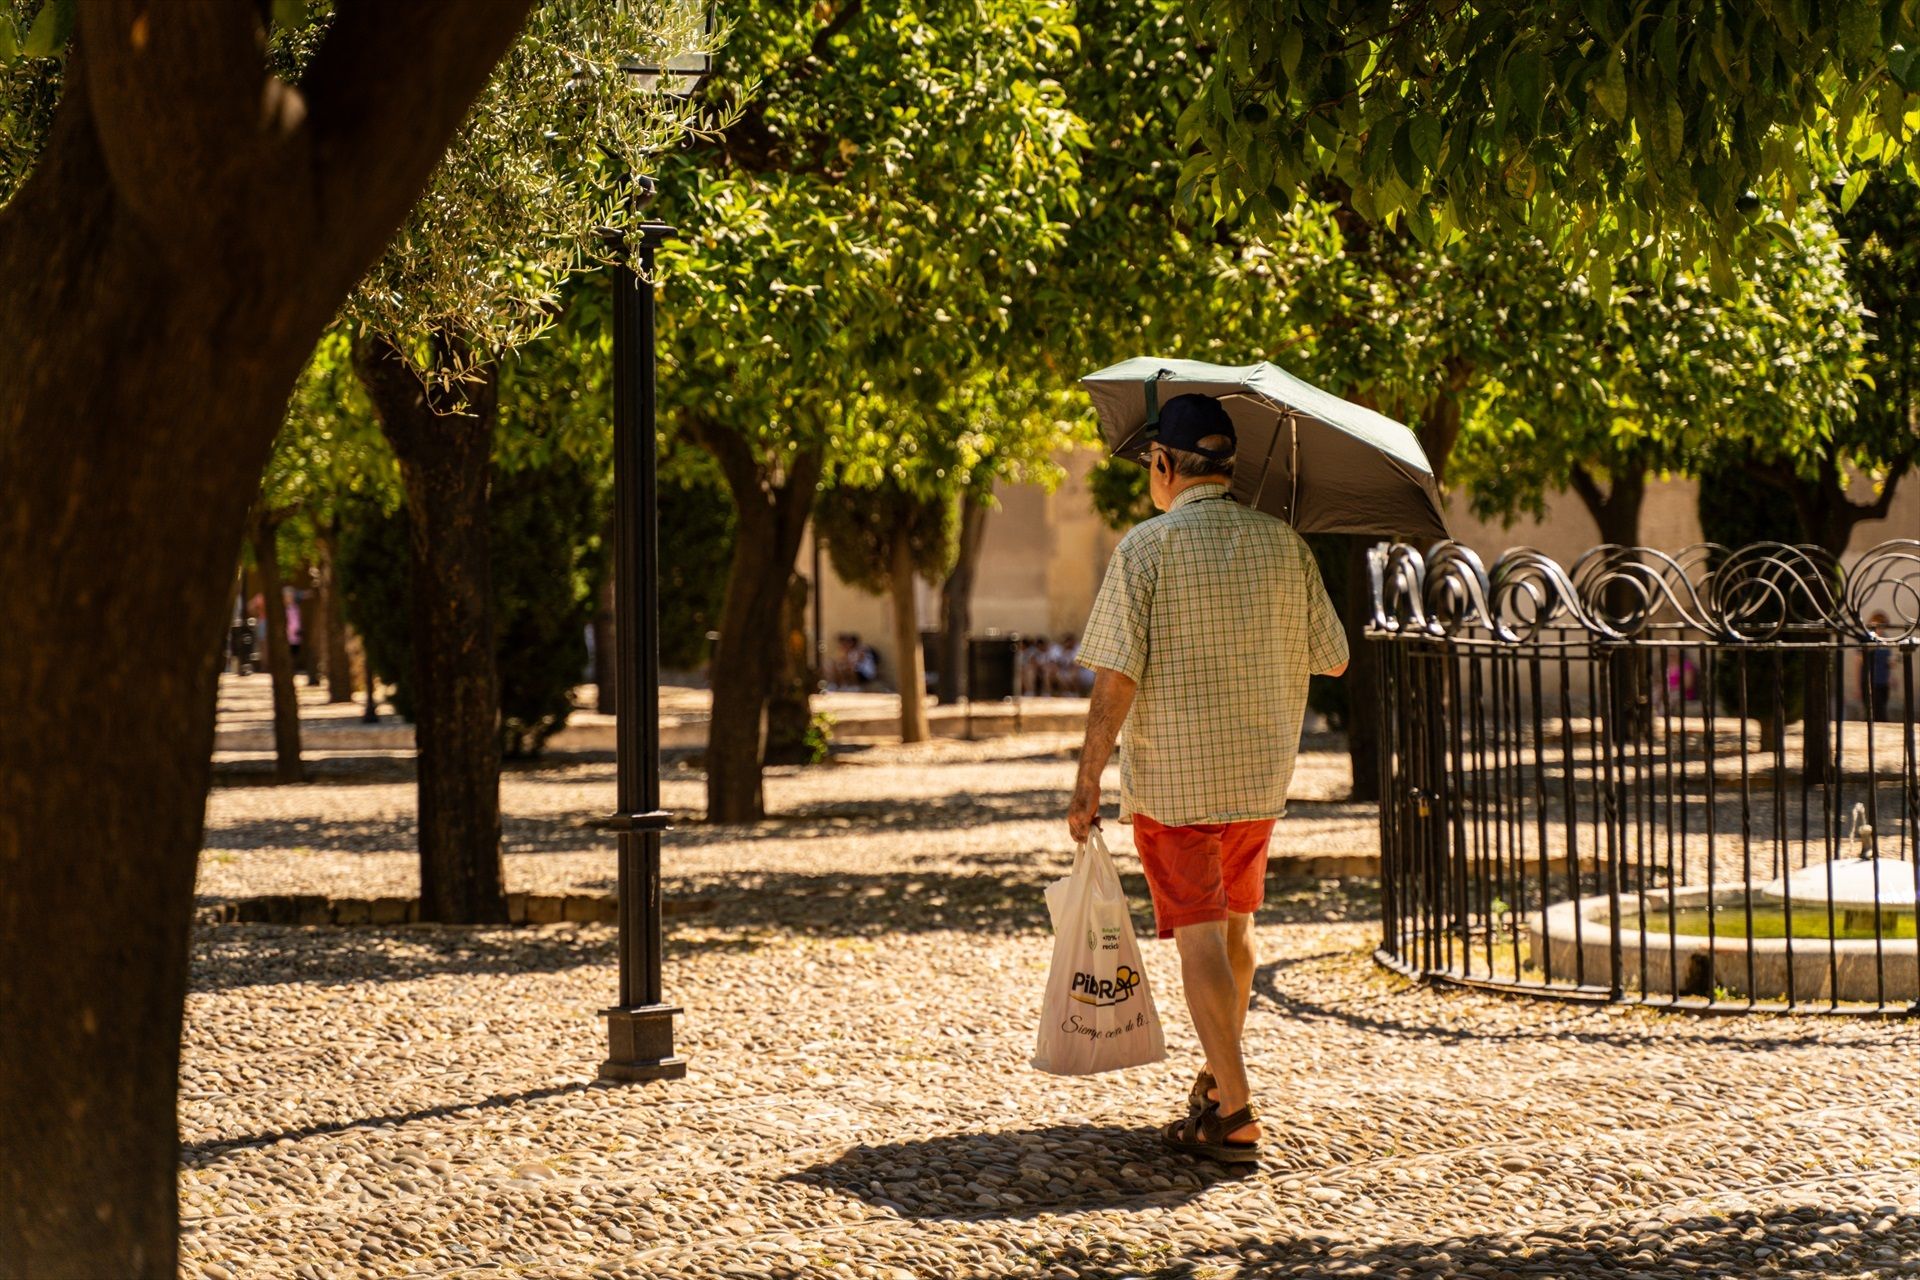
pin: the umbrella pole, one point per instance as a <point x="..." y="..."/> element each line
<point x="1293" y="467"/>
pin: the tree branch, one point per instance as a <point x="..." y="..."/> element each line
<point x="1589" y="490"/>
<point x="794" y="505"/>
<point x="821" y="50"/>
<point x="183" y="109"/>
<point x="731" y="450"/>
<point x="1775" y="473"/>
<point x="385" y="93"/>
<point x="391" y="383"/>
<point x="1878" y="508"/>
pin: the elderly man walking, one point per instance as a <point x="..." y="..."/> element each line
<point x="1210" y="621"/>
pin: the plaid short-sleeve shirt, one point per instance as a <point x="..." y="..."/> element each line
<point x="1219" y="614"/>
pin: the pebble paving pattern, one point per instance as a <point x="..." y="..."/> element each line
<point x="861" y="989"/>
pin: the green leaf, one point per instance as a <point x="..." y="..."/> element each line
<point x="52" y="28"/>
<point x="1406" y="165"/>
<point x="1904" y="65"/>
<point x="1676" y="128"/>
<point x="292" y="15"/>
<point x="1859" y="30"/>
<point x="1720" y="272"/>
<point x="1291" y="45"/>
<point x="1609" y="88"/>
<point x="1424" y="133"/>
<point x="1527" y="72"/>
<point x="9" y="41"/>
<point x="1666" y="45"/>
<point x="1856" y="183"/>
<point x="1599" y="18"/>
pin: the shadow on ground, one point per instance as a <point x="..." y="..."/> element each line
<point x="195" y="1154"/>
<point x="1788" y="1242"/>
<point x="826" y="819"/>
<point x="1405" y="1010"/>
<point x="400" y="834"/>
<point x="229" y="956"/>
<point x="942" y="1178"/>
<point x="373" y="768"/>
<point x="348" y="835"/>
<point x="1016" y="1174"/>
<point x="1004" y="896"/>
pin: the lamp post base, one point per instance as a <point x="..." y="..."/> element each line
<point x="640" y="1044"/>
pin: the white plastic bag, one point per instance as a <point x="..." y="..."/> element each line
<point x="1098" y="1014"/>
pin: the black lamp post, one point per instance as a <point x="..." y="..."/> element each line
<point x="640" y="1026"/>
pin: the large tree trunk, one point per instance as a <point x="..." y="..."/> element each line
<point x="910" y="664"/>
<point x="773" y="511"/>
<point x="445" y="449"/>
<point x="1363" y="694"/>
<point x="1630" y="671"/>
<point x="956" y="597"/>
<point x="741" y="675"/>
<point x="1827" y="518"/>
<point x="1617" y="512"/>
<point x="789" y="700"/>
<point x="273" y="616"/>
<point x="333" y="636"/>
<point x="197" y="223"/>
<point x="1437" y="429"/>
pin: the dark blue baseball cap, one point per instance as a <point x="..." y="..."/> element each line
<point x="1187" y="420"/>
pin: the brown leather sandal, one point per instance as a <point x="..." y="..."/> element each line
<point x="1204" y="1134"/>
<point x="1197" y="1099"/>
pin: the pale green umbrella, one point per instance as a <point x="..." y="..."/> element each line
<point x="1322" y="464"/>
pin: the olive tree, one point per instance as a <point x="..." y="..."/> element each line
<point x="525" y="199"/>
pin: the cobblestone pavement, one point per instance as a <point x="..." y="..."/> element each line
<point x="861" y="988"/>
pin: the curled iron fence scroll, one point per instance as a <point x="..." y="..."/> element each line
<point x="1686" y="778"/>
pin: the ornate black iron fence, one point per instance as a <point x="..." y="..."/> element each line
<point x="1687" y="779"/>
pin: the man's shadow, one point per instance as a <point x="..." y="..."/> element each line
<point x="1103" y="1167"/>
<point x="1018" y="1174"/>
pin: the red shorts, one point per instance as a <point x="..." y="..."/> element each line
<point x="1202" y="872"/>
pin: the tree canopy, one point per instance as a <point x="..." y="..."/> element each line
<point x="1662" y="373"/>
<point x="537" y="179"/>
<point x="863" y="227"/>
<point x="1592" y="122"/>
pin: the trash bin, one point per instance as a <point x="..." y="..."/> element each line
<point x="930" y="659"/>
<point x="240" y="648"/>
<point x="992" y="667"/>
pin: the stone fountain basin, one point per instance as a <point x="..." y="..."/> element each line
<point x="1848" y="969"/>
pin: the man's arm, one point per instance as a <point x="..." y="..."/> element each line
<point x="1326" y="638"/>
<point x="1112" y="699"/>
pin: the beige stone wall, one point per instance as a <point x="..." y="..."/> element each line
<point x="1044" y="554"/>
<point x="1669" y="520"/>
<point x="1041" y="560"/>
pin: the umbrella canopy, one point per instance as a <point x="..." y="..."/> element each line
<point x="1322" y="464"/>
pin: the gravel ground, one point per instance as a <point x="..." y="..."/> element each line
<point x="861" y="987"/>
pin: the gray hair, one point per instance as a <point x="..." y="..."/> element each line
<point x="1197" y="464"/>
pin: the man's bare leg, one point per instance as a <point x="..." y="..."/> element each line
<point x="1207" y="970"/>
<point x="1242" y="955"/>
<point x="1244" y="958"/>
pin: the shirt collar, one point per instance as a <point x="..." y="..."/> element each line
<point x="1198" y="493"/>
